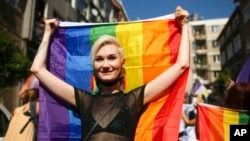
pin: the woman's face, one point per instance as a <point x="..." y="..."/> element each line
<point x="108" y="63"/>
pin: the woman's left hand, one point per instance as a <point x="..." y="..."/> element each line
<point x="181" y="16"/>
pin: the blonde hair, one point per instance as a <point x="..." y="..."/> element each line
<point x="105" y="40"/>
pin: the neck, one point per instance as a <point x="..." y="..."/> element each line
<point x="110" y="89"/>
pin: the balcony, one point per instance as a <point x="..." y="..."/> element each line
<point x="201" y="51"/>
<point x="202" y="66"/>
<point x="199" y="36"/>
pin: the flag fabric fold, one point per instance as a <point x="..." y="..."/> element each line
<point x="214" y="121"/>
<point x="150" y="46"/>
<point x="30" y="82"/>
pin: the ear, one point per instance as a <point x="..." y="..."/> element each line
<point x="123" y="63"/>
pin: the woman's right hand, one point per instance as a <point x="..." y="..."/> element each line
<point x="51" y="25"/>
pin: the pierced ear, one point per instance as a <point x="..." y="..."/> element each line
<point x="123" y="71"/>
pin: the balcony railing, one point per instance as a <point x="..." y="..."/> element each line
<point x="201" y="51"/>
<point x="199" y="36"/>
<point x="201" y="66"/>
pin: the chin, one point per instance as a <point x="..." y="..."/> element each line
<point x="108" y="80"/>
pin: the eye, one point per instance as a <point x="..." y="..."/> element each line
<point x="112" y="57"/>
<point x="99" y="59"/>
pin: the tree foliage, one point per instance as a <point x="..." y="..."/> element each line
<point x="14" y="65"/>
<point x="224" y="75"/>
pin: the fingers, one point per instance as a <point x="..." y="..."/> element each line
<point x="51" y="24"/>
<point x="181" y="15"/>
<point x="181" y="12"/>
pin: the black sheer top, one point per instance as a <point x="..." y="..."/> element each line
<point x="120" y="122"/>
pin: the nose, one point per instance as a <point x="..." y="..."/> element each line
<point x="105" y="65"/>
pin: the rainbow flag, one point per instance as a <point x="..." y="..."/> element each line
<point x="214" y="121"/>
<point x="151" y="46"/>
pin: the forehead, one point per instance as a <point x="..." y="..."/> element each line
<point x="107" y="49"/>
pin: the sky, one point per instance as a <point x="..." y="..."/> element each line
<point x="206" y="9"/>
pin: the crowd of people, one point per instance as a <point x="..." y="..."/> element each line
<point x="236" y="96"/>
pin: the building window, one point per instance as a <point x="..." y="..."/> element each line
<point x="237" y="43"/>
<point x="222" y="39"/>
<point x="228" y="31"/>
<point x="216" y="73"/>
<point x="223" y="58"/>
<point x="215" y="43"/>
<point x="215" y="28"/>
<point x="229" y="52"/>
<point x="198" y="30"/>
<point x="80" y="5"/>
<point x="216" y="58"/>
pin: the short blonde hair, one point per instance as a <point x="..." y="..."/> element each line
<point x="104" y="40"/>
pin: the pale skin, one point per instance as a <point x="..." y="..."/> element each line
<point x="108" y="64"/>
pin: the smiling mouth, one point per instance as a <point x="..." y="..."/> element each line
<point x="107" y="72"/>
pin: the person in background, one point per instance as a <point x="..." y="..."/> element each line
<point x="121" y="111"/>
<point x="216" y="98"/>
<point x="188" y="120"/>
<point x="21" y="127"/>
<point x="238" y="96"/>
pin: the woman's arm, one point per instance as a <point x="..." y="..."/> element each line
<point x="168" y="77"/>
<point x="53" y="83"/>
<point x="187" y="121"/>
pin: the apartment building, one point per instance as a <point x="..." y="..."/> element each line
<point x="205" y="50"/>
<point x="235" y="39"/>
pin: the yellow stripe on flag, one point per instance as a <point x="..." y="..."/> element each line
<point x="229" y="117"/>
<point x="130" y="37"/>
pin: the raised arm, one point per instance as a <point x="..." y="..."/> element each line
<point x="53" y="83"/>
<point x="168" y="77"/>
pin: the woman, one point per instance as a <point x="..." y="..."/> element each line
<point x="108" y="63"/>
<point x="21" y="126"/>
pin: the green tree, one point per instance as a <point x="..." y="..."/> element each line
<point x="223" y="77"/>
<point x="14" y="65"/>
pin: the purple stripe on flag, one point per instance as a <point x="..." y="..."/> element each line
<point x="50" y="105"/>
<point x="244" y="75"/>
<point x="197" y="85"/>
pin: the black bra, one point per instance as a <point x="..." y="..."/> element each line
<point x="120" y="124"/>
